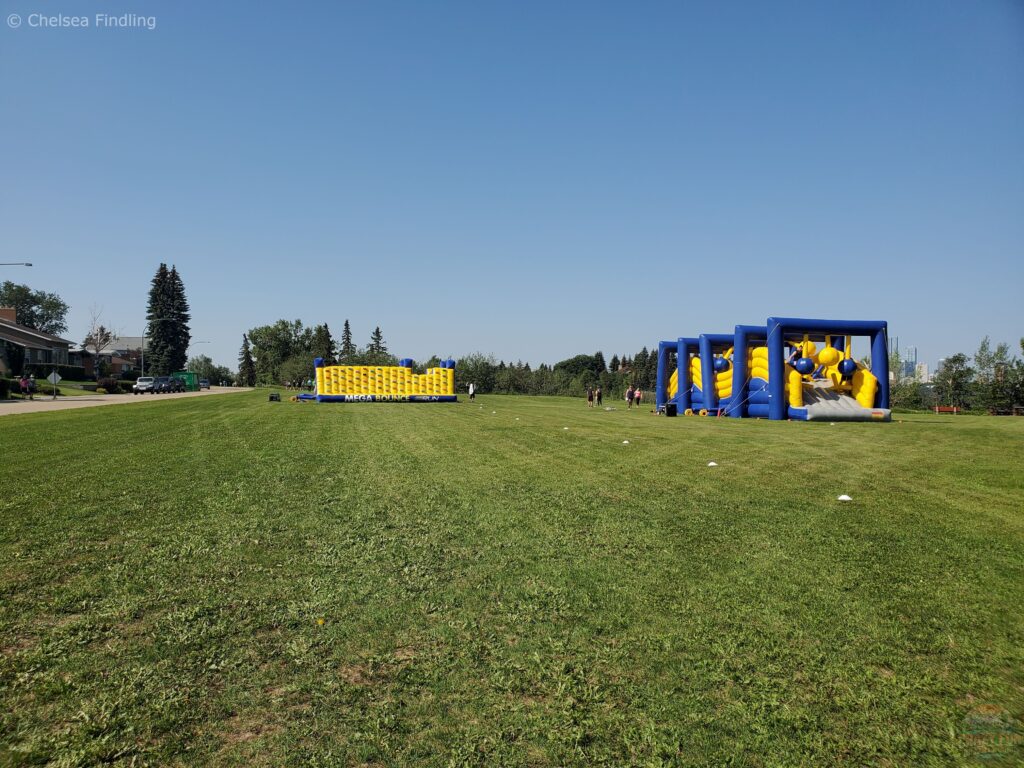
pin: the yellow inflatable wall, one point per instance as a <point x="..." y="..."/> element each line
<point x="384" y="380"/>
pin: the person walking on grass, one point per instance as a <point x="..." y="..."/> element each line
<point x="629" y="398"/>
<point x="597" y="396"/>
<point x="590" y="397"/>
<point x="472" y="391"/>
<point x="638" y="395"/>
<point x="26" y="391"/>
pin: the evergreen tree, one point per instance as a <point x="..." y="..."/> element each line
<point x="322" y="345"/>
<point x="599" y="366"/>
<point x="246" y="366"/>
<point x="347" y="347"/>
<point x="615" y="364"/>
<point x="160" y="333"/>
<point x="377" y="345"/>
<point x="167" y="314"/>
<point x="180" y="315"/>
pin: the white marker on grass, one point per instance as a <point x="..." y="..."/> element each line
<point x="712" y="464"/>
<point x="844" y="497"/>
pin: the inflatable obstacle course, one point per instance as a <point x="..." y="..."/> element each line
<point x="387" y="383"/>
<point x="790" y="368"/>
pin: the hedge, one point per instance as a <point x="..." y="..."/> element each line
<point x="42" y="370"/>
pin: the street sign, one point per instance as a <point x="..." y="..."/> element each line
<point x="54" y="378"/>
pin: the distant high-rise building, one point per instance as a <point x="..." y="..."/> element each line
<point x="921" y="373"/>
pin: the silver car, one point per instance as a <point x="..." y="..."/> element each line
<point x="143" y="385"/>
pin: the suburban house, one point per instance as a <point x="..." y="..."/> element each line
<point x="125" y="353"/>
<point x="22" y="346"/>
<point x="119" y="356"/>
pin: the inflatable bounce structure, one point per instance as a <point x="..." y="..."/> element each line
<point x="789" y="368"/>
<point x="388" y="383"/>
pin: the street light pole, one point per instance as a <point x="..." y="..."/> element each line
<point x="15" y="263"/>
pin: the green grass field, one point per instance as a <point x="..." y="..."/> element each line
<point x="229" y="582"/>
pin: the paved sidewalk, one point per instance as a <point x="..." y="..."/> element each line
<point x="43" y="403"/>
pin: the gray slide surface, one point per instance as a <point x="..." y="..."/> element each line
<point x="823" y="403"/>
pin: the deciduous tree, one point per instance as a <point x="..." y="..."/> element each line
<point x="953" y="382"/>
<point x="43" y="311"/>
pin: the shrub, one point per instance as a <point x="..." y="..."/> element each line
<point x="100" y="391"/>
<point x="110" y="385"/>
<point x="5" y="388"/>
<point x="70" y="372"/>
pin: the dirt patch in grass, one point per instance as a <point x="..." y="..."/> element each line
<point x="242" y="729"/>
<point x="18" y="644"/>
<point x="355" y="674"/>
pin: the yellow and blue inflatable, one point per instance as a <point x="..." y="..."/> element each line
<point x="384" y="383"/>
<point x="778" y="371"/>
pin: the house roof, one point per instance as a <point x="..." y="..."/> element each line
<point x="24" y="336"/>
<point x="123" y="344"/>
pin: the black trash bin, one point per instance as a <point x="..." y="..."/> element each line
<point x="670" y="409"/>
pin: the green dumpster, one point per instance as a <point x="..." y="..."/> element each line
<point x="190" y="379"/>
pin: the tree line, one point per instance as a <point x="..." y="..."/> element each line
<point x="989" y="381"/>
<point x="283" y="353"/>
<point x="571" y="377"/>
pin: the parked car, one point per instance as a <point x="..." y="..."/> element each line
<point x="143" y="385"/>
<point x="177" y="385"/>
<point x="204" y="384"/>
<point x="162" y="384"/>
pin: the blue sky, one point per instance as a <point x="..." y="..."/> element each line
<point x="529" y="179"/>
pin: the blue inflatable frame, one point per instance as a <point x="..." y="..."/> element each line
<point x="768" y="399"/>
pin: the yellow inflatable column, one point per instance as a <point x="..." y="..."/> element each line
<point x="865" y="386"/>
<point x="795" y="386"/>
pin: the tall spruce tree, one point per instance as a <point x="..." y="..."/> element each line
<point x="167" y="333"/>
<point x="246" y="365"/>
<point x="160" y="329"/>
<point x="377" y="345"/>
<point x="322" y="345"/>
<point x="347" y="347"/>
<point x="180" y="314"/>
